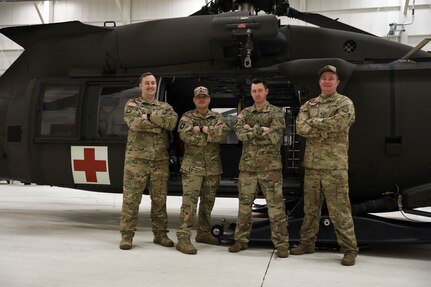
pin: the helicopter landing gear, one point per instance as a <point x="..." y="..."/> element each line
<point x="224" y="230"/>
<point x="217" y="230"/>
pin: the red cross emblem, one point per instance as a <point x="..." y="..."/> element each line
<point x="90" y="164"/>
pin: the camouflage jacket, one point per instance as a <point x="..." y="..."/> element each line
<point x="260" y="151"/>
<point x="148" y="138"/>
<point x="202" y="151"/>
<point x="325" y="122"/>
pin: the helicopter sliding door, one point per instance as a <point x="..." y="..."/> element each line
<point x="105" y="130"/>
<point x="58" y="104"/>
<point x="80" y="134"/>
<point x="178" y="92"/>
<point x="229" y="95"/>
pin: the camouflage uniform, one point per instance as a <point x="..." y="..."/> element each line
<point x="261" y="165"/>
<point x="201" y="168"/>
<point x="325" y="122"/>
<point x="146" y="162"/>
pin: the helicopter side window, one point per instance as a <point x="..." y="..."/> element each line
<point x="59" y="107"/>
<point x="111" y="111"/>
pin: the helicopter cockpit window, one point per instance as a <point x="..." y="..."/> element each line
<point x="111" y="111"/>
<point x="59" y="106"/>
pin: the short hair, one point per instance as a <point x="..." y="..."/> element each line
<point x="260" y="81"/>
<point x="144" y="75"/>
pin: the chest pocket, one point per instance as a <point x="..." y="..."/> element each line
<point x="320" y="110"/>
<point x="263" y="119"/>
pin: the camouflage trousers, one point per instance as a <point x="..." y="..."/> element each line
<point x="194" y="187"/>
<point x="137" y="174"/>
<point x="333" y="186"/>
<point x="271" y="185"/>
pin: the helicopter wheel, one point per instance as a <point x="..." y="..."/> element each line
<point x="217" y="230"/>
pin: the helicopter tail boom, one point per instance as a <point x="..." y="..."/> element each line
<point x="27" y="35"/>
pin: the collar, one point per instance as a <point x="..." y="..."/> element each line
<point x="207" y="115"/>
<point x="264" y="109"/>
<point x="323" y="99"/>
<point x="153" y="102"/>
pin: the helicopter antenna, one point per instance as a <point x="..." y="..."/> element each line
<point x="416" y="49"/>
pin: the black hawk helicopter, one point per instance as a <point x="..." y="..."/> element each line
<point x="61" y="104"/>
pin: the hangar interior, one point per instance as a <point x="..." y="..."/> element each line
<point x="64" y="237"/>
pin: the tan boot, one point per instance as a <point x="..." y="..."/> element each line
<point x="349" y="259"/>
<point x="238" y="246"/>
<point x="302" y="249"/>
<point x="282" y="252"/>
<point x="163" y="240"/>
<point x="185" y="246"/>
<point x="208" y="238"/>
<point x="126" y="242"/>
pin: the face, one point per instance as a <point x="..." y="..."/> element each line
<point x="328" y="83"/>
<point x="201" y="102"/>
<point x="148" y="86"/>
<point x="259" y="93"/>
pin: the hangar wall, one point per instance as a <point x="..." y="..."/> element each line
<point x="369" y="15"/>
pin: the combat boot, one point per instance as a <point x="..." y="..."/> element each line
<point x="282" y="252"/>
<point x="185" y="246"/>
<point x="126" y="242"/>
<point x="238" y="246"/>
<point x="208" y="238"/>
<point x="349" y="259"/>
<point x="302" y="249"/>
<point x="163" y="240"/>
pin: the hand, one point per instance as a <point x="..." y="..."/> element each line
<point x="265" y="130"/>
<point x="205" y="129"/>
<point x="247" y="126"/>
<point x="314" y="121"/>
<point x="196" y="129"/>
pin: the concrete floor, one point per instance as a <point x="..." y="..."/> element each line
<point x="63" y="237"/>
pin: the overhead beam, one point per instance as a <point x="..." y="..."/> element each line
<point x="406" y="7"/>
<point x="302" y="5"/>
<point x="36" y="6"/>
<point x="120" y="9"/>
<point x="124" y="8"/>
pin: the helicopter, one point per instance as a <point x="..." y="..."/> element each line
<point x="62" y="100"/>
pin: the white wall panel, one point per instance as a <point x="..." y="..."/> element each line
<point x="374" y="16"/>
<point x="158" y="9"/>
<point x="9" y="52"/>
<point x="421" y="23"/>
<point x="295" y="4"/>
<point x="86" y="11"/>
<point x="374" y="23"/>
<point x="6" y="44"/>
<point x="335" y="5"/>
<point x="7" y="57"/>
<point x="18" y="13"/>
